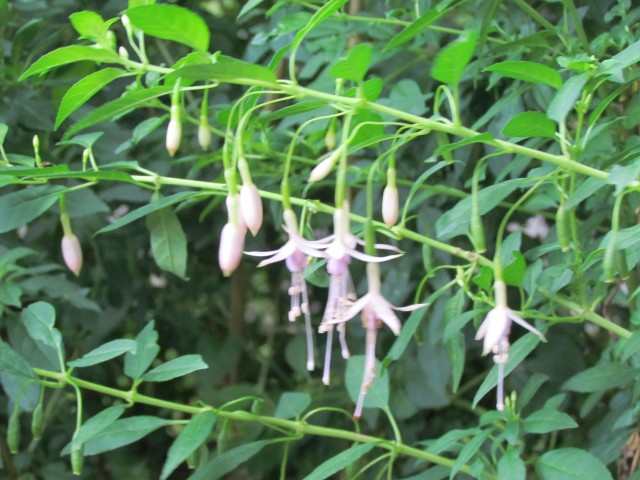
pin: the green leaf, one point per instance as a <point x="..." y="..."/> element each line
<point x="86" y="140"/>
<point x="627" y="57"/>
<point x="571" y="464"/>
<point x="227" y="70"/>
<point x="566" y="97"/>
<point x="622" y="176"/>
<point x="194" y="434"/>
<point x="83" y="90"/>
<point x="98" y="423"/>
<point x="513" y="273"/>
<point x="248" y="6"/>
<point x="527" y="71"/>
<point x="585" y="190"/>
<point x="147" y="210"/>
<point x="224" y="463"/>
<point x="136" y="363"/>
<point x="451" y="61"/>
<point x="168" y="242"/>
<point x="630" y="346"/>
<point x="292" y="404"/>
<point x="339" y="462"/>
<point x="354" y="67"/>
<point x="468" y="451"/>
<point x="171" y="22"/>
<point x="91" y="25"/>
<point x="530" y="124"/>
<point x="322" y="14"/>
<point x="10" y="294"/>
<point x="602" y="377"/>
<point x="419" y="25"/>
<point x="22" y="206"/>
<point x="511" y="466"/>
<point x="12" y="363"/>
<point x="115" y="108"/>
<point x="548" y="420"/>
<point x="71" y="54"/>
<point x="39" y="319"/>
<point x="517" y="353"/>
<point x="175" y="368"/>
<point x="449" y="147"/>
<point x="105" y="352"/>
<point x="456" y="350"/>
<point x="120" y="433"/>
<point x="378" y="393"/>
<point x="3" y="132"/>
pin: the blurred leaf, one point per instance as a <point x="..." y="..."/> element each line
<point x="627" y="57"/>
<point x="449" y="147"/>
<point x="621" y="176"/>
<point x="136" y="363"/>
<point x="340" y="461"/>
<point x="450" y="62"/>
<point x="354" y="66"/>
<point x="565" y="98"/>
<point x="227" y="461"/>
<point x="292" y="404"/>
<point x="571" y="464"/>
<point x="175" y="368"/>
<point x="86" y="140"/>
<point x="22" y="206"/>
<point x="10" y="294"/>
<point x="105" y="352"/>
<point x="378" y="393"/>
<point x="468" y="451"/>
<point x="39" y="319"/>
<point x="14" y="364"/>
<point x="530" y="124"/>
<point x="168" y="242"/>
<point x="530" y="389"/>
<point x="511" y="466"/>
<point x="171" y="22"/>
<point x="514" y="272"/>
<point x="229" y="70"/>
<point x="418" y="26"/>
<point x="3" y="132"/>
<point x="188" y="441"/>
<point x="548" y="420"/>
<point x="248" y="6"/>
<point x="82" y="91"/>
<point x="322" y="14"/>
<point x="585" y="190"/>
<point x="406" y="334"/>
<point x="71" y="54"/>
<point x="147" y="210"/>
<point x="602" y="377"/>
<point x="98" y="423"/>
<point x="528" y="71"/>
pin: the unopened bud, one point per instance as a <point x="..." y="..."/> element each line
<point x="390" y="205"/>
<point x="231" y="246"/>
<point x="126" y="22"/>
<point x="204" y="134"/>
<point x="324" y="168"/>
<point x="330" y="138"/>
<point x="77" y="459"/>
<point x="123" y="53"/>
<point x="72" y="253"/>
<point x="251" y="207"/>
<point x="174" y="131"/>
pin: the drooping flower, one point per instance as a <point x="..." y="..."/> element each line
<point x="174" y="131"/>
<point x="251" y="207"/>
<point x="295" y="253"/>
<point x="390" y="205"/>
<point x="231" y="238"/>
<point x="494" y="331"/>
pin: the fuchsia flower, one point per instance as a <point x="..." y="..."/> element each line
<point x="495" y="331"/>
<point x="231" y="238"/>
<point x="295" y="253"/>
<point x="72" y="253"/>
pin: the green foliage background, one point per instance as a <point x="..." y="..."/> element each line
<point x="575" y="413"/>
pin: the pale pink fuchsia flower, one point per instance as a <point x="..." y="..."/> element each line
<point x="251" y="207"/>
<point x="174" y="131"/>
<point x="295" y="253"/>
<point x="375" y="310"/>
<point x="494" y="331"/>
<point x="72" y="253"/>
<point x="323" y="169"/>
<point x="390" y="205"/>
<point x="204" y="133"/>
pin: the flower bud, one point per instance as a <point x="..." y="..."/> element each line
<point x="251" y="207"/>
<point x="72" y="253"/>
<point x="126" y="22"/>
<point x="324" y="168"/>
<point x="37" y="422"/>
<point x="77" y="458"/>
<point x="390" y="205"/>
<point x="13" y="431"/>
<point x="204" y="134"/>
<point x="174" y="131"/>
<point x="124" y="54"/>
<point x="231" y="245"/>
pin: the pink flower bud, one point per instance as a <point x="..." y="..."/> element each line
<point x="204" y="134"/>
<point x="251" y="207"/>
<point x="231" y="245"/>
<point x="324" y="168"/>
<point x="390" y="205"/>
<point x="174" y="132"/>
<point x="72" y="253"/>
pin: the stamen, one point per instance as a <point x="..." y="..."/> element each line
<point x="344" y="348"/>
<point x="326" y="374"/>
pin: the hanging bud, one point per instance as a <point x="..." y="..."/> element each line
<point x="13" y="431"/>
<point x="124" y="54"/>
<point x="37" y="421"/>
<point x="390" y="205"/>
<point x="325" y="166"/>
<point x="204" y="133"/>
<point x="72" y="253"/>
<point x="231" y="246"/>
<point x="126" y="22"/>
<point x="251" y="207"/>
<point x="174" y="131"/>
<point x="77" y="458"/>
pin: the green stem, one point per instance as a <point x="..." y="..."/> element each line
<point x="297" y="427"/>
<point x="341" y="180"/>
<point x="570" y="6"/>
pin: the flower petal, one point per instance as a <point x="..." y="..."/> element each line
<point x="370" y="258"/>
<point x="523" y="323"/>
<point x="382" y="309"/>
